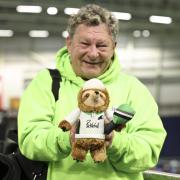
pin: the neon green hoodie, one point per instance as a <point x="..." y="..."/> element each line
<point x="135" y="149"/>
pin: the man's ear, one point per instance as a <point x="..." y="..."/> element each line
<point x="68" y="43"/>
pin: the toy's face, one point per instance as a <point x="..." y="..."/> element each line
<point x="94" y="98"/>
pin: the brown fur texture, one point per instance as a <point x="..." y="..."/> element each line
<point x="86" y="108"/>
<point x="96" y="147"/>
<point x="89" y="100"/>
<point x="65" y="125"/>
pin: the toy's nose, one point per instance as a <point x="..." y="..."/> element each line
<point x="96" y="92"/>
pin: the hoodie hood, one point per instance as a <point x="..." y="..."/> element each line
<point x="63" y="64"/>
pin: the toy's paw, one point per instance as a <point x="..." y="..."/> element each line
<point x="77" y="160"/>
<point x="79" y="157"/>
<point x="65" y="125"/>
<point x="78" y="154"/>
<point x="99" y="155"/>
<point x="99" y="159"/>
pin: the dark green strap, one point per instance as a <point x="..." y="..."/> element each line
<point x="56" y="79"/>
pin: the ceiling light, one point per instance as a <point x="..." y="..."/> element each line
<point x="160" y="19"/>
<point x="122" y="15"/>
<point x="39" y="33"/>
<point x="137" y="33"/>
<point x="71" y="11"/>
<point x="146" y="33"/>
<point x="6" y="33"/>
<point x="65" y="34"/>
<point x="28" y="9"/>
<point x="52" y="10"/>
<point x="118" y="15"/>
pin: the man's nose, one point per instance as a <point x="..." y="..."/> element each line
<point x="93" y="52"/>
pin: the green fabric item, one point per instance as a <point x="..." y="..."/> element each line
<point x="124" y="108"/>
<point x="135" y="149"/>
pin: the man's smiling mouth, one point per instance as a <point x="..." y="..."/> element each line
<point x="93" y="63"/>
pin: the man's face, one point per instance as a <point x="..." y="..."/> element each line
<point x="91" y="49"/>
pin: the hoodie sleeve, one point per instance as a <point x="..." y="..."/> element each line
<point x="38" y="137"/>
<point x="137" y="147"/>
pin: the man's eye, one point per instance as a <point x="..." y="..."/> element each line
<point x="101" y="45"/>
<point x="84" y="43"/>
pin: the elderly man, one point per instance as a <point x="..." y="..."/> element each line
<point x="90" y="53"/>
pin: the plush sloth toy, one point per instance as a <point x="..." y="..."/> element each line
<point x="93" y="119"/>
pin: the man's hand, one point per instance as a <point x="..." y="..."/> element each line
<point x="109" y="139"/>
<point x="120" y="127"/>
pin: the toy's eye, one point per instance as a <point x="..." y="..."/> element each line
<point x="102" y="96"/>
<point x="87" y="95"/>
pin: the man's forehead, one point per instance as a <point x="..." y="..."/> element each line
<point x="99" y="32"/>
<point x="96" y="29"/>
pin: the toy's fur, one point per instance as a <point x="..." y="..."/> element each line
<point x="93" y="106"/>
<point x="91" y="101"/>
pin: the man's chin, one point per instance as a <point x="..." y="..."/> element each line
<point x="90" y="75"/>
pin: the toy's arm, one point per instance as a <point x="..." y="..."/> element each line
<point x="69" y="120"/>
<point x="120" y="117"/>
